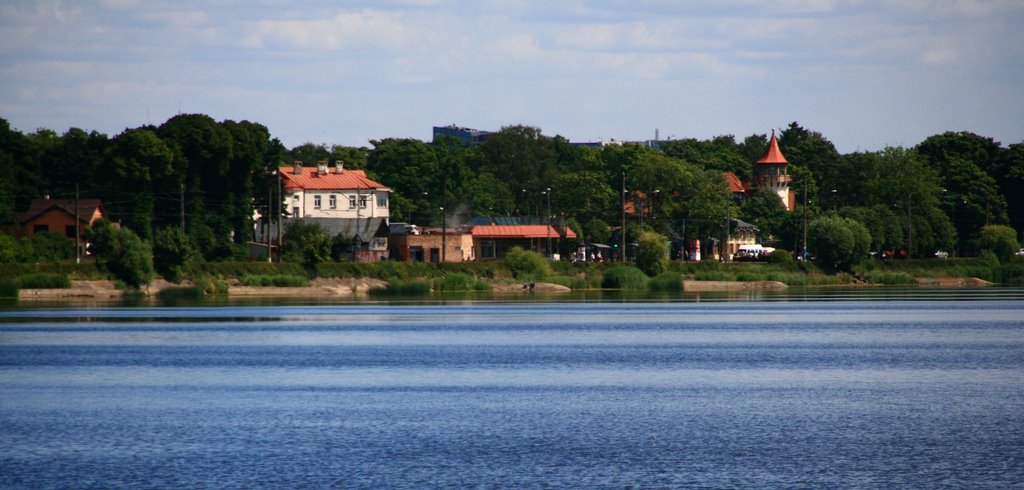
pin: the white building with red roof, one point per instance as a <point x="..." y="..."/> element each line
<point x="332" y="192"/>
<point x="342" y="201"/>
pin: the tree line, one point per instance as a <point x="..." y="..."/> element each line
<point x="209" y="176"/>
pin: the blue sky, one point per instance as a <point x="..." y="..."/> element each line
<point x="866" y="74"/>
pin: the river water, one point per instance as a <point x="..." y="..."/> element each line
<point x="886" y="388"/>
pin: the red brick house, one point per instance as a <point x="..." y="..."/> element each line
<point x="59" y="216"/>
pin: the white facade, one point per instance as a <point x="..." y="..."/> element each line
<point x="338" y="203"/>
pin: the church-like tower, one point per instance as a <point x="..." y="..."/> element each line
<point x="770" y="171"/>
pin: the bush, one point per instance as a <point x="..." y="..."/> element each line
<point x="526" y="265"/>
<point x="1000" y="240"/>
<point x="8" y="288"/>
<point x="275" y="280"/>
<point x="172" y="250"/>
<point x="306" y="243"/>
<point x="42" y="280"/>
<point x="624" y="277"/>
<point x="459" y="281"/>
<point x="50" y="246"/>
<point x="666" y="281"/>
<point x="210" y="285"/>
<point x="652" y="253"/>
<point x="781" y="258"/>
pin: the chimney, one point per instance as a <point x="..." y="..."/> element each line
<point x="339" y="166"/>
<point x="297" y="167"/>
<point x="321" y="167"/>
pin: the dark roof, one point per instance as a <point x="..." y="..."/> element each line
<point x="86" y="208"/>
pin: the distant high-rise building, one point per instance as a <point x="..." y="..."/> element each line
<point x="466" y="136"/>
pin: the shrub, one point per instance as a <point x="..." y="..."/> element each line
<point x="8" y="288"/>
<point x="210" y="285"/>
<point x="1000" y="240"/>
<point x="624" y="277"/>
<point x="782" y="258"/>
<point x="652" y="253"/>
<point x="50" y="246"/>
<point x="459" y="281"/>
<point x="172" y="250"/>
<point x="526" y="265"/>
<point x="42" y="280"/>
<point x="666" y="281"/>
<point x="275" y="280"/>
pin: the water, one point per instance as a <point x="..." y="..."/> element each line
<point x="834" y="390"/>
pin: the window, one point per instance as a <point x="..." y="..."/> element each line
<point x="316" y="201"/>
<point x="362" y="202"/>
<point x="382" y="201"/>
<point x="333" y="200"/>
<point x="70" y="231"/>
<point x="295" y="212"/>
<point x="351" y="202"/>
<point x="40" y="228"/>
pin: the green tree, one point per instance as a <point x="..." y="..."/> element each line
<point x="652" y="253"/>
<point x="838" y="243"/>
<point x="1001" y="240"/>
<point x="968" y="166"/>
<point x="765" y="210"/>
<point x="522" y="157"/>
<point x="122" y="253"/>
<point x="138" y="164"/>
<point x="172" y="251"/>
<point x="597" y="231"/>
<point x="306" y="243"/>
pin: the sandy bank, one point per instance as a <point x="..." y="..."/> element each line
<point x="709" y="286"/>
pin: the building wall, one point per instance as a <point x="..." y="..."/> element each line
<point x="305" y="201"/>
<point x="55" y="220"/>
<point x="458" y="247"/>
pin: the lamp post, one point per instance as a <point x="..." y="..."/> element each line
<point x="834" y="197"/>
<point x="270" y="206"/>
<point x="444" y="236"/>
<point x="547" y="192"/>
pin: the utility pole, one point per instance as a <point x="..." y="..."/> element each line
<point x="547" y="192"/>
<point x="270" y="193"/>
<point x="803" y="255"/>
<point x="910" y="227"/>
<point x="622" y="235"/>
<point x="280" y="217"/>
<point x="725" y="244"/>
<point x="78" y="230"/>
<point x="181" y="199"/>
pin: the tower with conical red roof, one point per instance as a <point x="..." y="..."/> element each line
<point x="770" y="172"/>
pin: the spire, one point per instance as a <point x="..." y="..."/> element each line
<point x="773" y="155"/>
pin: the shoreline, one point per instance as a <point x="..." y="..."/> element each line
<point x="360" y="287"/>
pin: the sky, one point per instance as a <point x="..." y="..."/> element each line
<point x="866" y="74"/>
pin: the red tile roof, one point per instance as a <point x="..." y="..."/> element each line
<point x="735" y="185"/>
<point x="773" y="155"/>
<point x="309" y="179"/>
<point x="521" y="231"/>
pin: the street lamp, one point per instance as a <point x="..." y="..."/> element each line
<point x="443" y="236"/>
<point x="547" y="192"/>
<point x="834" y="204"/>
